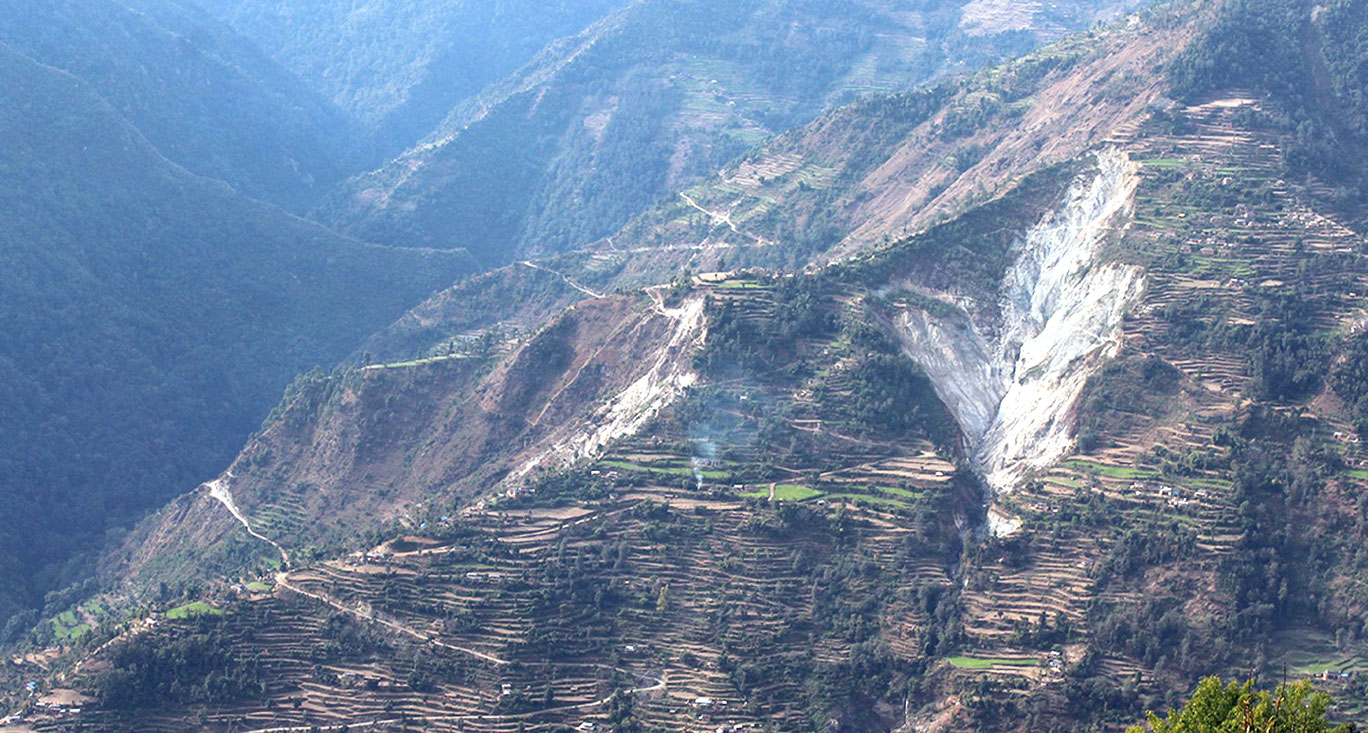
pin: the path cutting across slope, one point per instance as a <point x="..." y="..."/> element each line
<point x="568" y="281"/>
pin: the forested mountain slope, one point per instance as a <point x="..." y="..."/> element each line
<point x="652" y="98"/>
<point x="203" y="96"/>
<point x="151" y="318"/>
<point x="858" y="176"/>
<point x="398" y="66"/>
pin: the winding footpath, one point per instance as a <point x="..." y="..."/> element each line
<point x="726" y="219"/>
<point x="283" y="580"/>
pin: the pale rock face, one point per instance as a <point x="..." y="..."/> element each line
<point x="1012" y="384"/>
<point x="666" y="379"/>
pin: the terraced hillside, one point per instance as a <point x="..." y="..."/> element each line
<point x="782" y="541"/>
<point x="1080" y="439"/>
<point x="1133" y="558"/>
<point x="720" y="563"/>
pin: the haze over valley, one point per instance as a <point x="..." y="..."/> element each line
<point x="683" y="365"/>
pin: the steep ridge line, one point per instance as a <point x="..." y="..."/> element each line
<point x="629" y="409"/>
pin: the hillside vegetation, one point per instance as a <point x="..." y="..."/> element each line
<point x="151" y="317"/>
<point x="1214" y="707"/>
<point x="648" y="100"/>
<point x="1020" y="402"/>
<point x="204" y="99"/>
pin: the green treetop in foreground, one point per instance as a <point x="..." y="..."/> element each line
<point x="1236" y="708"/>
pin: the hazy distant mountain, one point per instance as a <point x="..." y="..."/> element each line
<point x="206" y="98"/>
<point x="399" y="66"/>
<point x="654" y="97"/>
<point x="151" y="315"/>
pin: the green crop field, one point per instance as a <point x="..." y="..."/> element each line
<point x="785" y="492"/>
<point x="195" y="608"/>
<point x="980" y="663"/>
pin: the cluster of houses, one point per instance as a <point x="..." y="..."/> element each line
<point x="1207" y="246"/>
<point x="484" y="576"/>
<point x="1313" y="222"/>
<point x="56" y="704"/>
<point x="1210" y="243"/>
<point x="1171" y="496"/>
<point x="357" y="679"/>
<point x="1344" y="437"/>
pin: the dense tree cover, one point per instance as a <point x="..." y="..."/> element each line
<point x="1309" y="69"/>
<point x="205" y="99"/>
<point x="151" y="318"/>
<point x="197" y="666"/>
<point x="1123" y="392"/>
<point x="1344" y="50"/>
<point x="1239" y="708"/>
<point x="1350" y="380"/>
<point x="1249" y="44"/>
<point x="890" y="393"/>
<point x="1289" y="358"/>
<point x="883" y="391"/>
<point x="761" y="342"/>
